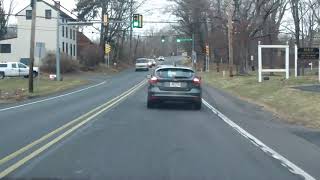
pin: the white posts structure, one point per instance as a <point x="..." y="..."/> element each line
<point x="261" y="70"/>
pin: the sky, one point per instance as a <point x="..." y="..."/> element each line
<point x="152" y="10"/>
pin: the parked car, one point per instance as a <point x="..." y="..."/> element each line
<point x="16" y="69"/>
<point x="142" y="64"/>
<point x="170" y="83"/>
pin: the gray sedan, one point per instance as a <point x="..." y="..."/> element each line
<point x="174" y="84"/>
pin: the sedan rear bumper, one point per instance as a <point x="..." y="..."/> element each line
<point x="188" y="96"/>
<point x="142" y="68"/>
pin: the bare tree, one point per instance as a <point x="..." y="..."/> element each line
<point x="5" y="14"/>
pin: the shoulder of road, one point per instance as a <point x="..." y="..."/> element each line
<point x="15" y="89"/>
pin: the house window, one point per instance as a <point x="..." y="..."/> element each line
<point x="62" y="46"/>
<point x="5" y="48"/>
<point x="62" y="31"/>
<point x="74" y="35"/>
<point x="67" y="48"/>
<point x="48" y="14"/>
<point x="70" y="33"/>
<point x="28" y="14"/>
<point x="66" y="32"/>
<point x="71" y="51"/>
<point x="74" y="50"/>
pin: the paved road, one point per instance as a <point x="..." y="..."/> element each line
<point x="313" y="88"/>
<point x="128" y="141"/>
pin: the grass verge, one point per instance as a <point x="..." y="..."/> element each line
<point x="276" y="95"/>
<point x="15" y="89"/>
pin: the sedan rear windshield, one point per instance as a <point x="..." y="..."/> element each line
<point x="175" y="73"/>
<point x="142" y="61"/>
<point x="3" y="65"/>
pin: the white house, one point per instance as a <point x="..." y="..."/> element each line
<point x="18" y="49"/>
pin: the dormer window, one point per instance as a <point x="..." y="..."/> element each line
<point x="48" y="14"/>
<point x="28" y="14"/>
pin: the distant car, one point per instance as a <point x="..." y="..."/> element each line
<point x="16" y="69"/>
<point x="153" y="63"/>
<point x="150" y="63"/>
<point x="142" y="64"/>
<point x="170" y="84"/>
<point x="161" y="58"/>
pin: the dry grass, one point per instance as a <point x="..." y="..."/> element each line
<point x="276" y="95"/>
<point x="15" y="89"/>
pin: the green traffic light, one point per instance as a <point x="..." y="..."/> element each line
<point x="178" y="40"/>
<point x="136" y="24"/>
<point x="137" y="21"/>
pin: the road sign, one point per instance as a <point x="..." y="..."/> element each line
<point x="107" y="49"/>
<point x="308" y="53"/>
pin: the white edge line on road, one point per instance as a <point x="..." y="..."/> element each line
<point x="52" y="98"/>
<point x="285" y="162"/>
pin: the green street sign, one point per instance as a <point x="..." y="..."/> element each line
<point x="179" y="40"/>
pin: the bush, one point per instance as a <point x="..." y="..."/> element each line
<point x="67" y="64"/>
<point x="91" y="56"/>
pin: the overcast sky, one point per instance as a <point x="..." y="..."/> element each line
<point x="152" y="10"/>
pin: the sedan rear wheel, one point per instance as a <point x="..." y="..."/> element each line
<point x="150" y="104"/>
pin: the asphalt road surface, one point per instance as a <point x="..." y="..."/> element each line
<point x="112" y="135"/>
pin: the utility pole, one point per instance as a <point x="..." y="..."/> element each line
<point x="58" y="76"/>
<point x="131" y="30"/>
<point x="230" y="36"/>
<point x="32" y="44"/>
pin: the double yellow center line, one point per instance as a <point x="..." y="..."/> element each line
<point x="68" y="128"/>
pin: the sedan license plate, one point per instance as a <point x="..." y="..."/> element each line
<point x="175" y="84"/>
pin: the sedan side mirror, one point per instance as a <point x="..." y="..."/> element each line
<point x="149" y="76"/>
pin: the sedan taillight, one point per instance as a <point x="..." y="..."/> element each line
<point x="153" y="80"/>
<point x="196" y="81"/>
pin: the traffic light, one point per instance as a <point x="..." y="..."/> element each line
<point x="178" y="40"/>
<point x="163" y="39"/>
<point x="137" y="21"/>
<point x="105" y="20"/>
<point x="207" y="50"/>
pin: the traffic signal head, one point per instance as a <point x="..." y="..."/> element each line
<point x="105" y="20"/>
<point x="178" y="40"/>
<point x="137" y="21"/>
<point x="163" y="39"/>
